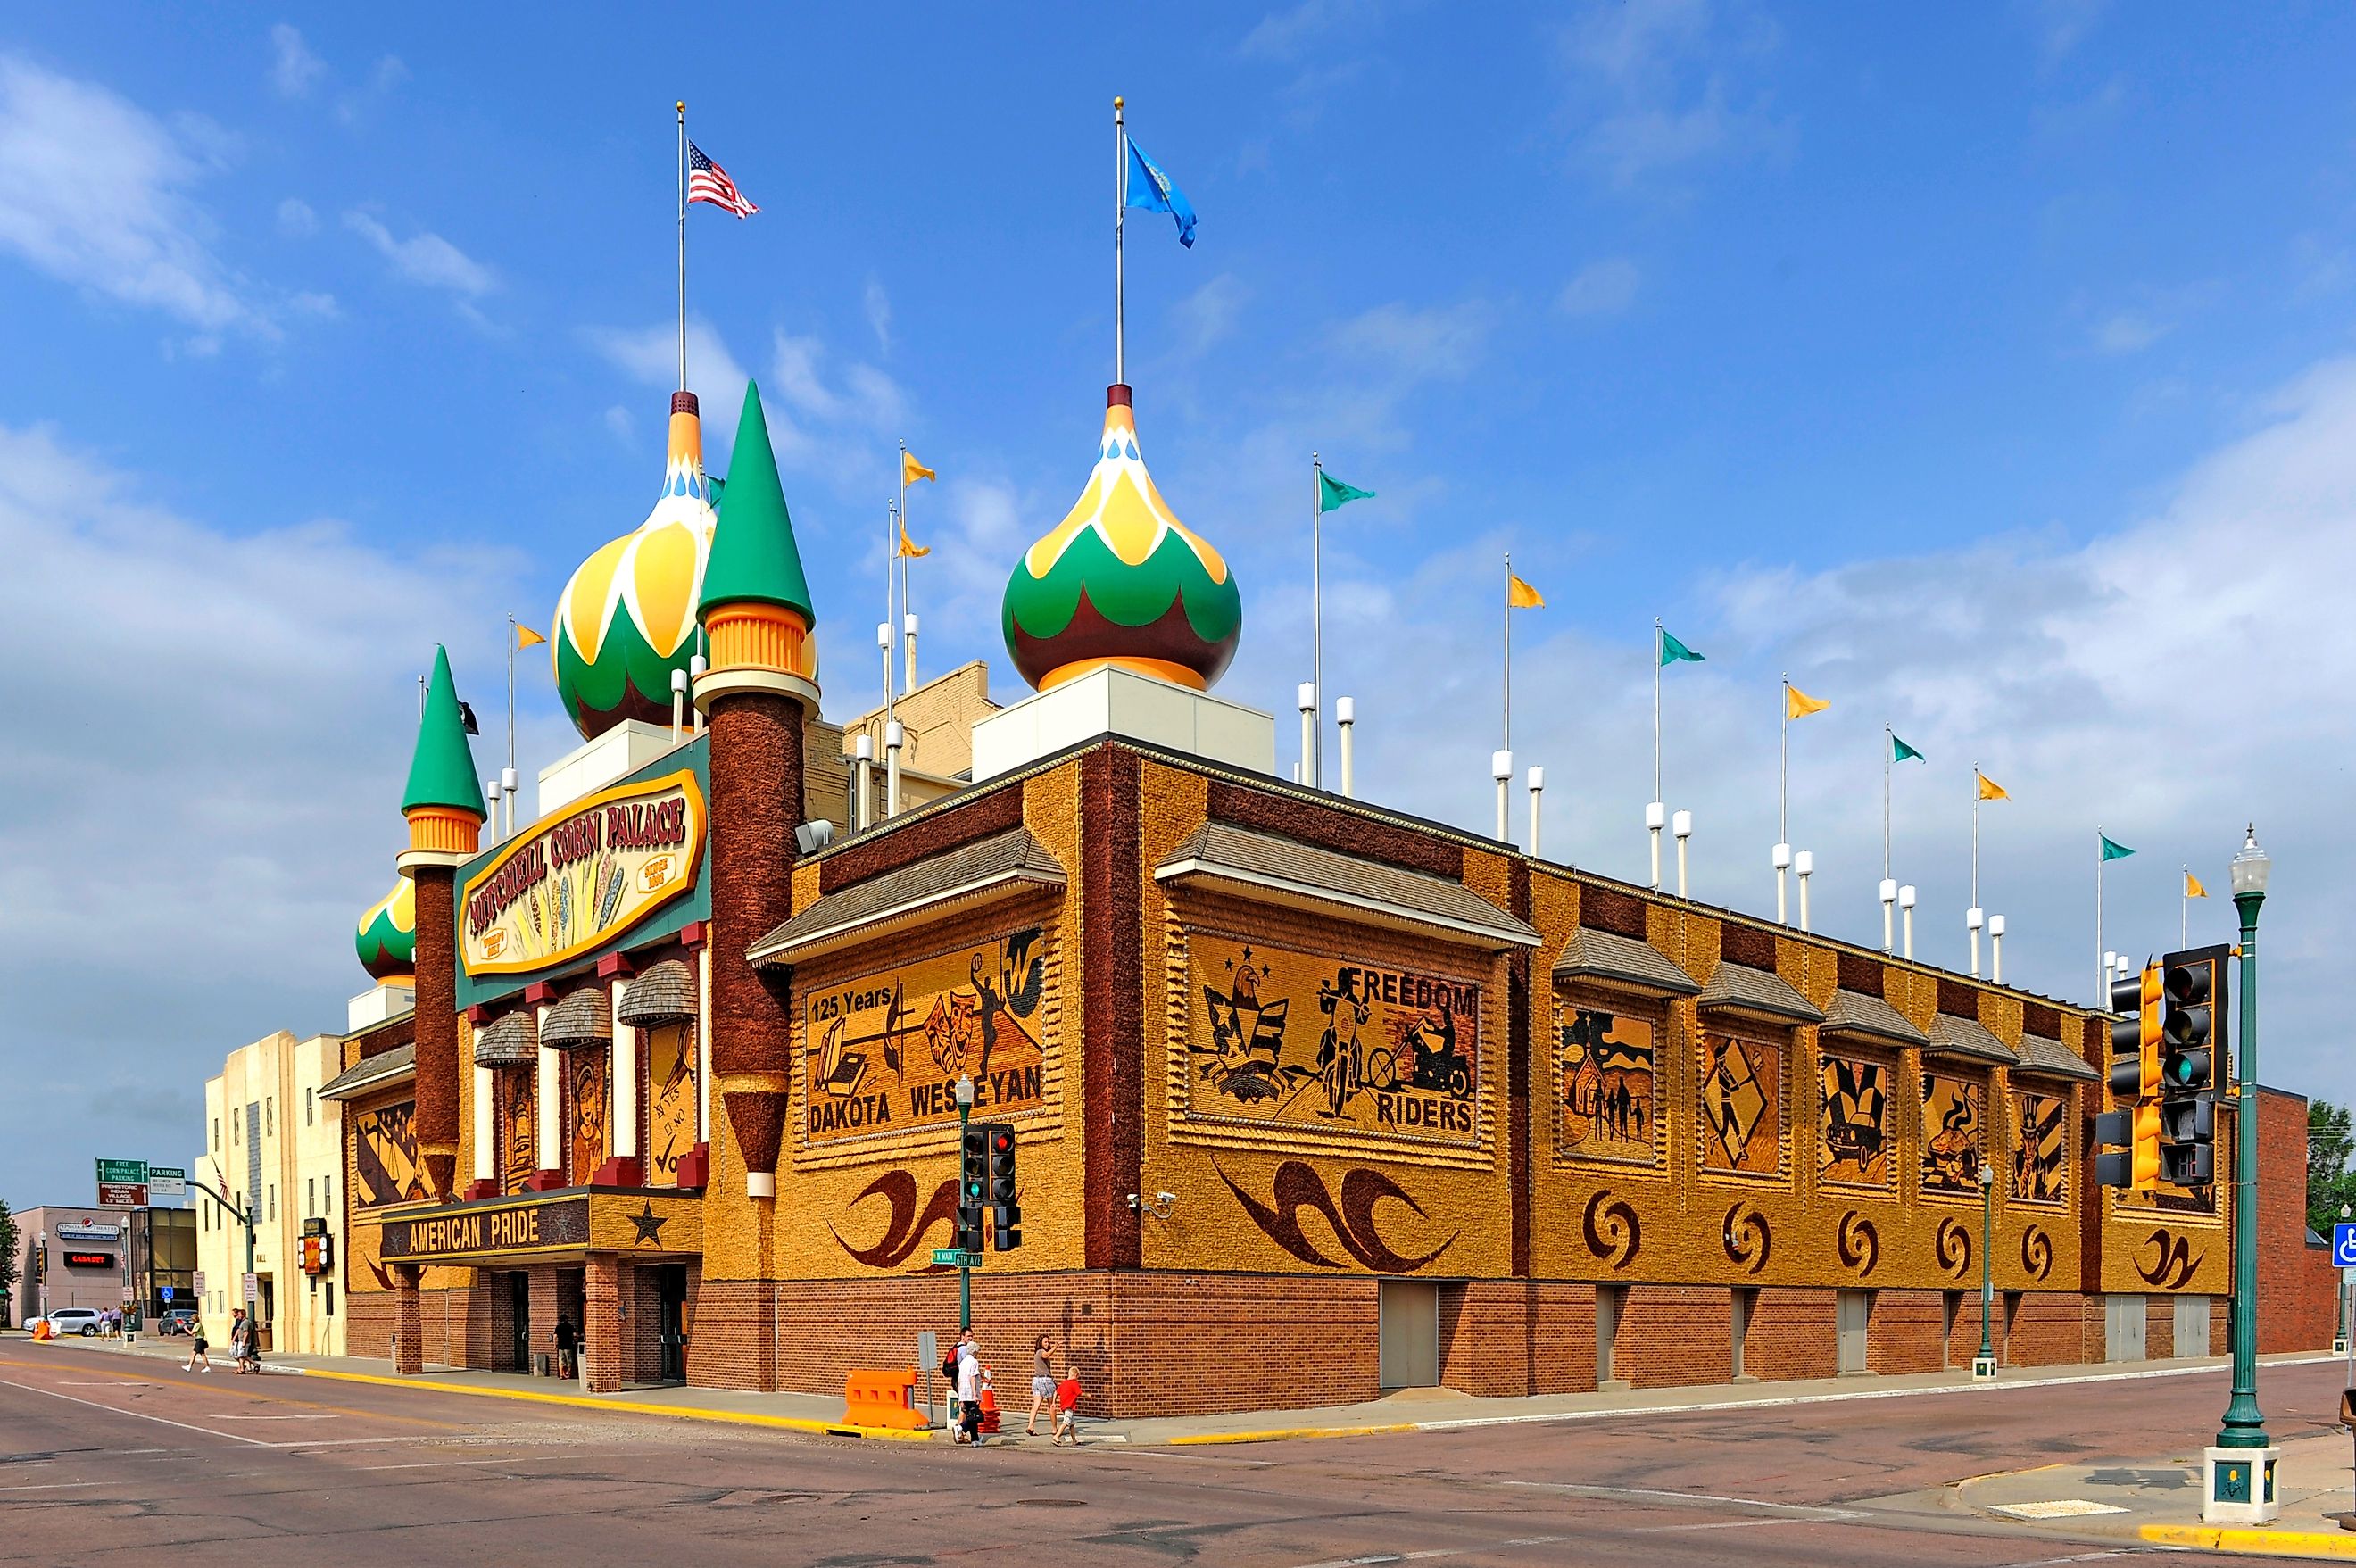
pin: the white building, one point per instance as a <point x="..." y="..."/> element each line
<point x="273" y="1148"/>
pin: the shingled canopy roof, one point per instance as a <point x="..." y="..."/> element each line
<point x="1001" y="865"/>
<point x="379" y="1071"/>
<point x="1256" y="865"/>
<point x="1861" y="1015"/>
<point x="2045" y="1057"/>
<point x="510" y="1041"/>
<point x="581" y="1021"/>
<point x="1755" y="993"/>
<point x="1607" y="958"/>
<point x="1967" y="1038"/>
<point x="664" y="993"/>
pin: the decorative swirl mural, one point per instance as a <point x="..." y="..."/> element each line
<point x="1857" y="1241"/>
<point x="1953" y="1246"/>
<point x="1298" y="1187"/>
<point x="1747" y="1238"/>
<point x="907" y="1228"/>
<point x="2173" y="1259"/>
<point x="2035" y="1252"/>
<point x="1611" y="1229"/>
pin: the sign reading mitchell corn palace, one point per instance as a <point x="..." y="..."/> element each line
<point x="1388" y="1074"/>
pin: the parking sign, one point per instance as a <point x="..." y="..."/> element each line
<point x="2343" y="1245"/>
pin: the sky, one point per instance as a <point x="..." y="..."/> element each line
<point x="1989" y="372"/>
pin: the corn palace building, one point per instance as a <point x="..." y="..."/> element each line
<point x="1311" y="1098"/>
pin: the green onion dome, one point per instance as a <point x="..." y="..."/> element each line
<point x="387" y="938"/>
<point x="626" y="619"/>
<point x="1120" y="581"/>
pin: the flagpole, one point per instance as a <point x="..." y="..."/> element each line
<point x="1889" y="753"/>
<point x="1656" y="719"/>
<point x="1315" y="761"/>
<point x="898" y="631"/>
<point x="1508" y="741"/>
<point x="683" y="244"/>
<point x="2184" y="908"/>
<point x="1784" y="772"/>
<point x="2101" y="863"/>
<point x="890" y="626"/>
<point x="1119" y="207"/>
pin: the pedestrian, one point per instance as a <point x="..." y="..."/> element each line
<point x="1042" y="1386"/>
<point x="240" y="1331"/>
<point x="568" y="1340"/>
<point x="968" y="1387"/>
<point x="197" y="1348"/>
<point x="1068" y="1411"/>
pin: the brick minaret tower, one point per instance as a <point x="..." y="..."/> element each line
<point x="755" y="608"/>
<point x="445" y="807"/>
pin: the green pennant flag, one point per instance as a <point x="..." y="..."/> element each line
<point x="1900" y="752"/>
<point x="1672" y="651"/>
<point x="1331" y="492"/>
<point x="2112" y="848"/>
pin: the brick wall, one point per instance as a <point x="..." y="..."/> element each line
<point x="460" y="1328"/>
<point x="2297" y="1287"/>
<point x="1907" y="1332"/>
<point x="1670" y="1334"/>
<point x="2037" y="1328"/>
<point x="1794" y="1334"/>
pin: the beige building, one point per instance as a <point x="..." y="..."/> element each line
<point x="272" y="1146"/>
<point x="937" y="722"/>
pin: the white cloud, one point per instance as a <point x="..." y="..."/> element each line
<point x="622" y="426"/>
<point x="1600" y="288"/>
<point x="1285" y="35"/>
<point x="295" y="70"/>
<point x="425" y="258"/>
<point x="2128" y="332"/>
<point x="2063" y="24"/>
<point x="201" y="787"/>
<point x="1658" y="85"/>
<point x="650" y="356"/>
<point x="295" y="218"/>
<point x="863" y="398"/>
<point x="94" y="193"/>
<point x="1419" y="343"/>
<point x="1207" y="315"/>
<point x="879" y="313"/>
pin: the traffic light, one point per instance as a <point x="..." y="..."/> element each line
<point x="1006" y="1215"/>
<point x="2134" y="1129"/>
<point x="973" y="1184"/>
<point x="2193" y="1037"/>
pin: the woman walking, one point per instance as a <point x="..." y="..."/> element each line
<point x="1042" y="1387"/>
<point x="197" y="1348"/>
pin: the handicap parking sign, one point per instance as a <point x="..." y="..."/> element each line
<point x="2343" y="1245"/>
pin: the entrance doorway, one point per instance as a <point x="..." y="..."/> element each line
<point x="671" y="1321"/>
<point x="519" y="1317"/>
<point x="1407" y="1334"/>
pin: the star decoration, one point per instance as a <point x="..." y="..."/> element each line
<point x="649" y="1225"/>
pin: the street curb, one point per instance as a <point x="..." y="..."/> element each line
<point x="2266" y="1543"/>
<point x="634" y="1407"/>
<point x="1286" y="1434"/>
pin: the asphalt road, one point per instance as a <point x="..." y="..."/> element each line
<point x="105" y="1459"/>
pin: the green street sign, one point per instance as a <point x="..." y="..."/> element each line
<point x="951" y="1258"/>
<point x="134" y="1171"/>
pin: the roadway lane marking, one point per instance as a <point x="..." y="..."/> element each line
<point x="290" y="1416"/>
<point x="52" y="1486"/>
<point x="1374" y="1559"/>
<point x="141" y="1415"/>
<point x="1706" y="1500"/>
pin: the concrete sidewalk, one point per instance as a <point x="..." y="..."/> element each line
<point x="1414" y="1410"/>
<point x="2159" y="1502"/>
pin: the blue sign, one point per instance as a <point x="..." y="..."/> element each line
<point x="167" y="1291"/>
<point x="2343" y="1245"/>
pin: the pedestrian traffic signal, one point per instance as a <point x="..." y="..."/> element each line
<point x="1006" y="1215"/>
<point x="2134" y="1128"/>
<point x="2192" y="1039"/>
<point x="973" y="1183"/>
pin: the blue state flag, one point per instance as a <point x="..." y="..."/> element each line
<point x="1149" y="189"/>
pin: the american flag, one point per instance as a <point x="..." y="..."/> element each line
<point x="707" y="181"/>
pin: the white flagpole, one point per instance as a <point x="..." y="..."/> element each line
<point x="2184" y="907"/>
<point x="1315" y="760"/>
<point x="2100" y="865"/>
<point x="1887" y="751"/>
<point x="1508" y="741"/>
<point x="908" y="682"/>
<point x="1784" y="772"/>
<point x="1657" y="715"/>
<point x="890" y="626"/>
<point x="1120" y="215"/>
<point x="683" y="244"/>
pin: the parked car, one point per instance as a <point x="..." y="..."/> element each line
<point x="83" y="1320"/>
<point x="177" y="1320"/>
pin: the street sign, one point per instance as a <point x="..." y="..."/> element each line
<point x="951" y="1258"/>
<point x="253" y="1289"/>
<point x="2343" y="1245"/>
<point x="127" y="1295"/>
<point x="197" y="1285"/>
<point x="122" y="1195"/>
<point x="163" y="1181"/>
<point x="166" y="1290"/>
<point x="928" y="1349"/>
<point x="122" y="1170"/>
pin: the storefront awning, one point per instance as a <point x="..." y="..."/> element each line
<point x="1265" y="867"/>
<point x="1003" y="866"/>
<point x="2043" y="1057"/>
<point x="580" y="1022"/>
<point x="664" y="993"/>
<point x="1861" y="1015"/>
<point x="1747" y="993"/>
<point x="1605" y="958"/>
<point x="510" y="1041"/>
<point x="1967" y="1038"/>
<point x="382" y="1071"/>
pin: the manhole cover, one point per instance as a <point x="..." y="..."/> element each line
<point x="2060" y="1507"/>
<point x="1051" y="1502"/>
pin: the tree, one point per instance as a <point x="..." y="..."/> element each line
<point x="2330" y="1185"/>
<point x="7" y="1261"/>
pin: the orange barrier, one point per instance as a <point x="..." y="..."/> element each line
<point x="41" y="1330"/>
<point x="988" y="1408"/>
<point x="882" y="1399"/>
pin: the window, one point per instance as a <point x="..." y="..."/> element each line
<point x="270" y="1115"/>
<point x="328" y="1188"/>
<point x="307" y="1108"/>
<point x="273" y="1200"/>
<point x="331" y="1298"/>
<point x="216" y="1134"/>
<point x="310" y="1196"/>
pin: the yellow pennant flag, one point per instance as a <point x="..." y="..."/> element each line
<point x="1798" y="704"/>
<point x="908" y="546"/>
<point x="2193" y="888"/>
<point x="911" y="471"/>
<point x="1520" y="596"/>
<point x="526" y="637"/>
<point x="1989" y="788"/>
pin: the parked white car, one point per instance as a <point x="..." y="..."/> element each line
<point x="81" y="1320"/>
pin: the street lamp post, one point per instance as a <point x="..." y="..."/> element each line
<point x="965" y="1270"/>
<point x="1984" y="1365"/>
<point x="2241" y="1467"/>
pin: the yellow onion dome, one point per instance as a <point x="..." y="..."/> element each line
<point x="627" y="617"/>
<point x="1121" y="581"/>
<point x="387" y="937"/>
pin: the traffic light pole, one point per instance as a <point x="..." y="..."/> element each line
<point x="2245" y="1424"/>
<point x="965" y="1271"/>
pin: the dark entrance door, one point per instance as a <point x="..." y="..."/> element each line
<point x="670" y="1291"/>
<point x="519" y="1312"/>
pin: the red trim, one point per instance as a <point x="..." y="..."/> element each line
<point x="477" y="1015"/>
<point x="538" y="992"/>
<point x="691" y="934"/>
<point x="615" y="963"/>
<point x="481" y="1189"/>
<point x="695" y="1168"/>
<point x="544" y="1181"/>
<point x="622" y="1170"/>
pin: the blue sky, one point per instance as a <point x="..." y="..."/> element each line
<point x="1987" y="372"/>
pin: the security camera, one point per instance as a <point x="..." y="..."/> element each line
<point x="813" y="836"/>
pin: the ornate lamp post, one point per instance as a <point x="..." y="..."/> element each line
<point x="2240" y="1467"/>
<point x="1984" y="1365"/>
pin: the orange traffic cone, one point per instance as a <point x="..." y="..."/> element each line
<point x="988" y="1403"/>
